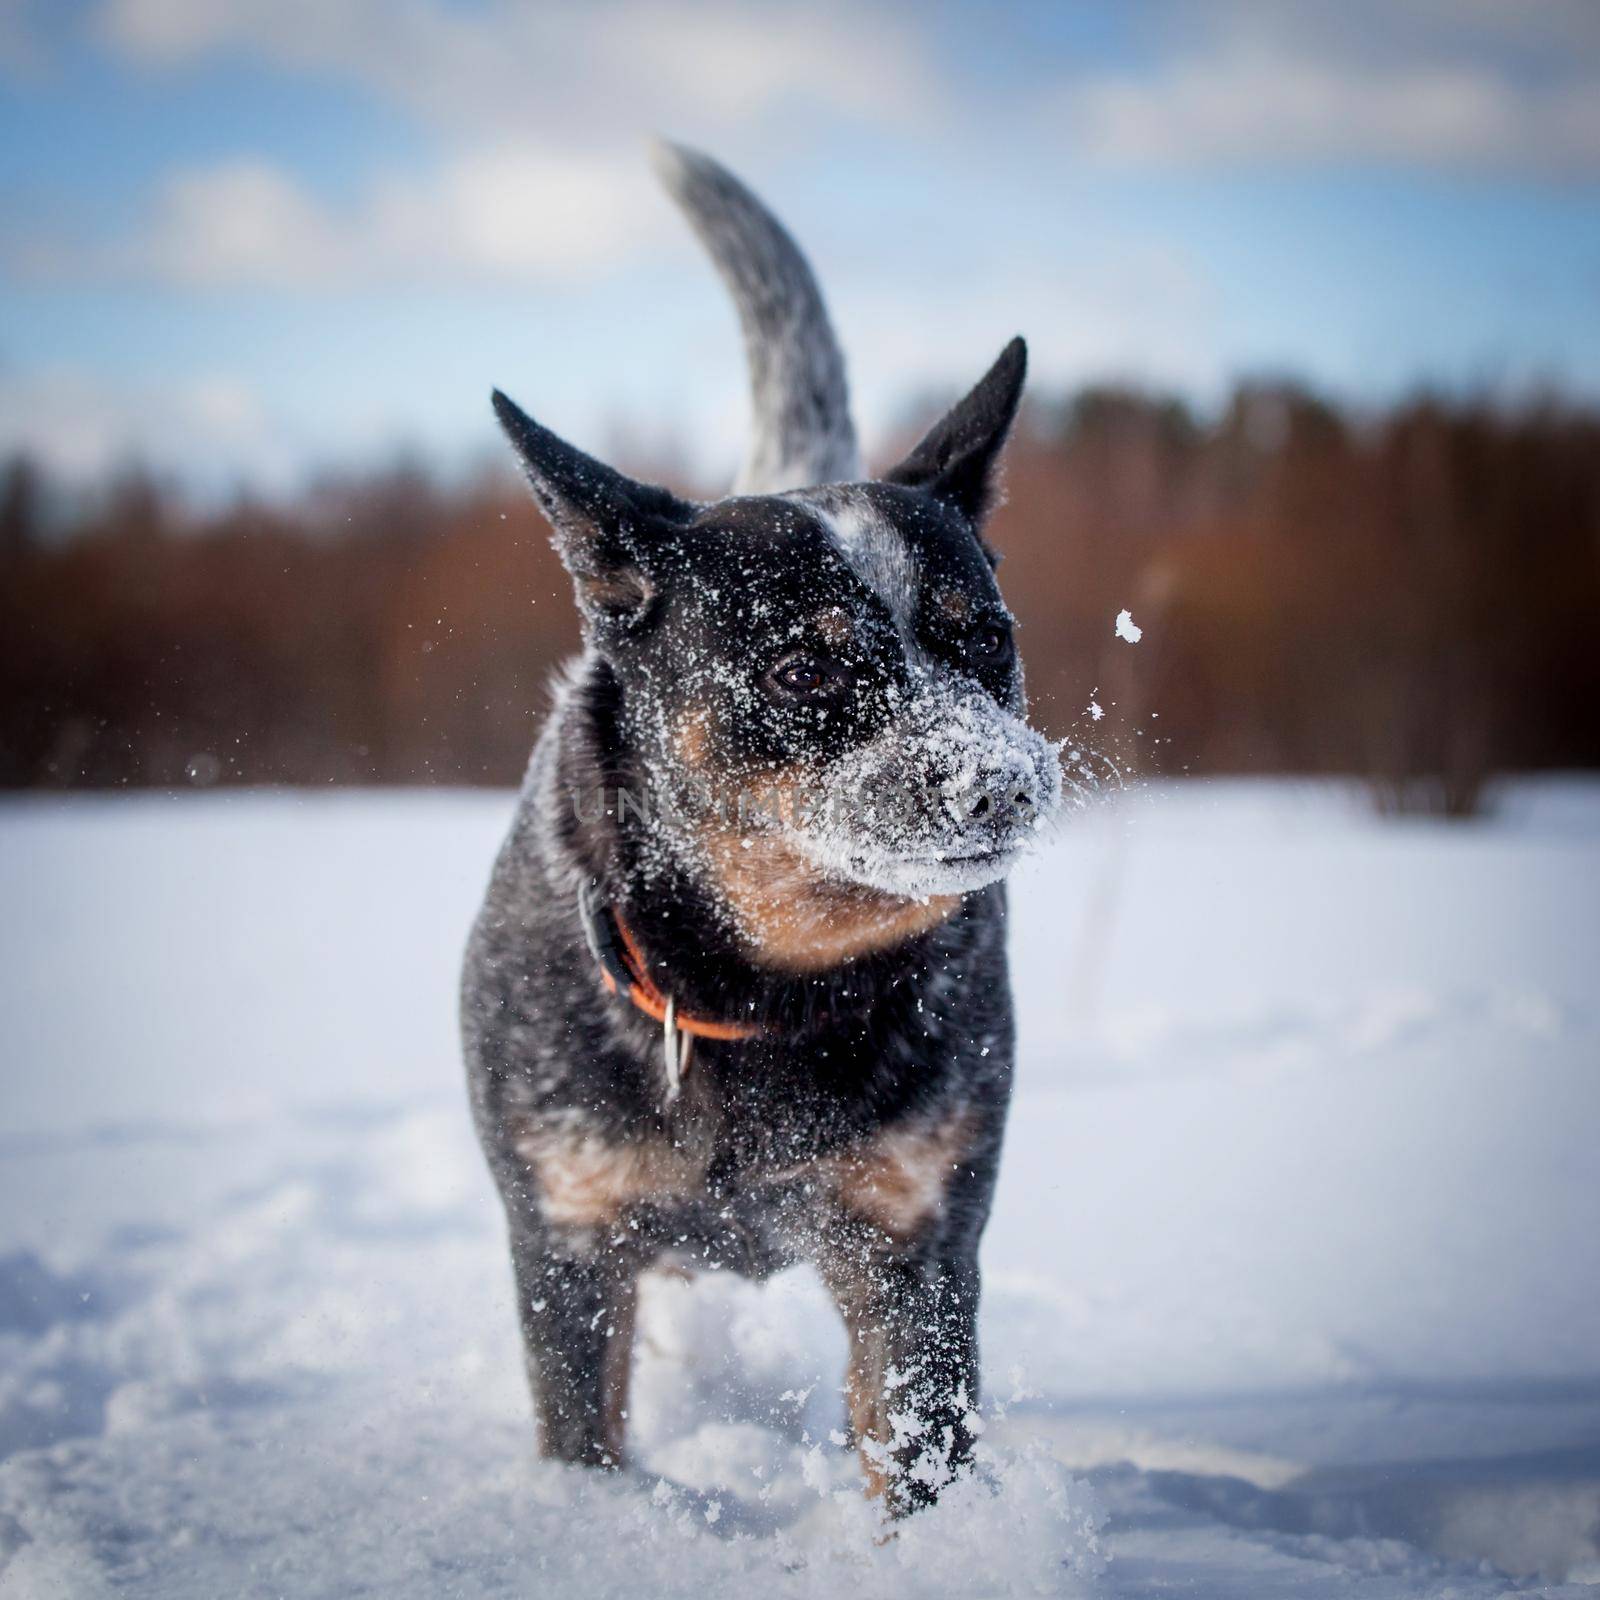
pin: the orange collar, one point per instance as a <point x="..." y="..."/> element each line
<point x="624" y="971"/>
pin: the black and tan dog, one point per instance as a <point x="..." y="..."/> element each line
<point x="738" y="992"/>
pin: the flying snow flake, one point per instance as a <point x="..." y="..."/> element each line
<point x="1127" y="628"/>
<point x="1096" y="710"/>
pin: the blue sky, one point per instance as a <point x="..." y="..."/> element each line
<point x="246" y="238"/>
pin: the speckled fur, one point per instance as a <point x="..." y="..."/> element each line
<point x="861" y="1131"/>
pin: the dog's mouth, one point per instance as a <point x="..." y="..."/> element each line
<point x="918" y="875"/>
<point x="959" y="858"/>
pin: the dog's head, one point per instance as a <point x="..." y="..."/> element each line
<point x="834" y="665"/>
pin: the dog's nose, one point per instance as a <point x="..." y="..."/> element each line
<point x="1008" y="800"/>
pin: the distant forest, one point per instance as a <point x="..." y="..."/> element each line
<point x="1411" y="596"/>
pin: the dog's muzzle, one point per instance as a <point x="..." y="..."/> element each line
<point x="942" y="802"/>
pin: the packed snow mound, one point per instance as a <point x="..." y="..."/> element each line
<point x="314" y="1389"/>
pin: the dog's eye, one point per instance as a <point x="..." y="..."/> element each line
<point x="810" y="677"/>
<point x="988" y="646"/>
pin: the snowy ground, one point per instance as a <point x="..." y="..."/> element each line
<point x="1293" y="1285"/>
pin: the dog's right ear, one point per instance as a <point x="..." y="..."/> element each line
<point x="609" y="529"/>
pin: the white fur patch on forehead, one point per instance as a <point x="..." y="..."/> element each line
<point x="874" y="548"/>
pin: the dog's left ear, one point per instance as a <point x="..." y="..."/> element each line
<point x="957" y="458"/>
<point x="611" y="531"/>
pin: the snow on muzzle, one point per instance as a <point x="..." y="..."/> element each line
<point x="941" y="802"/>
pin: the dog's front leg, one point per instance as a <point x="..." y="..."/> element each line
<point x="577" y="1312"/>
<point x="912" y="1381"/>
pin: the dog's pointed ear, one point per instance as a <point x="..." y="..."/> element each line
<point x="609" y="529"/>
<point x="957" y="458"/>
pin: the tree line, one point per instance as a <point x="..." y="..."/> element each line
<point x="1410" y="596"/>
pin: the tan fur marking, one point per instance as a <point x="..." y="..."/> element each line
<point x="793" y="917"/>
<point x="692" y="739"/>
<point x="585" y="1182"/>
<point x="864" y="1384"/>
<point x="617" y="1375"/>
<point x="835" y="627"/>
<point x="796" y="920"/>
<point x="954" y="605"/>
<point x="897" y="1180"/>
<point x="614" y="591"/>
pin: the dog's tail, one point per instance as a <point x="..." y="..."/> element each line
<point x="803" y="433"/>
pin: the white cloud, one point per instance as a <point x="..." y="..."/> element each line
<point x="1462" y="85"/>
<point x="1548" y="36"/>
<point x="1457" y="84"/>
<point x="211" y="428"/>
<point x="729" y="63"/>
<point x="501" y="215"/>
<point x="21" y="54"/>
<point x="594" y="69"/>
<point x="511" y="213"/>
<point x="1256" y="107"/>
<point x="241" y="222"/>
<point x="541" y="113"/>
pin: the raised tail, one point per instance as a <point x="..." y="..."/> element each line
<point x="802" y="434"/>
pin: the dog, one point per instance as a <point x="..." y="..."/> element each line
<point x="738" y="995"/>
